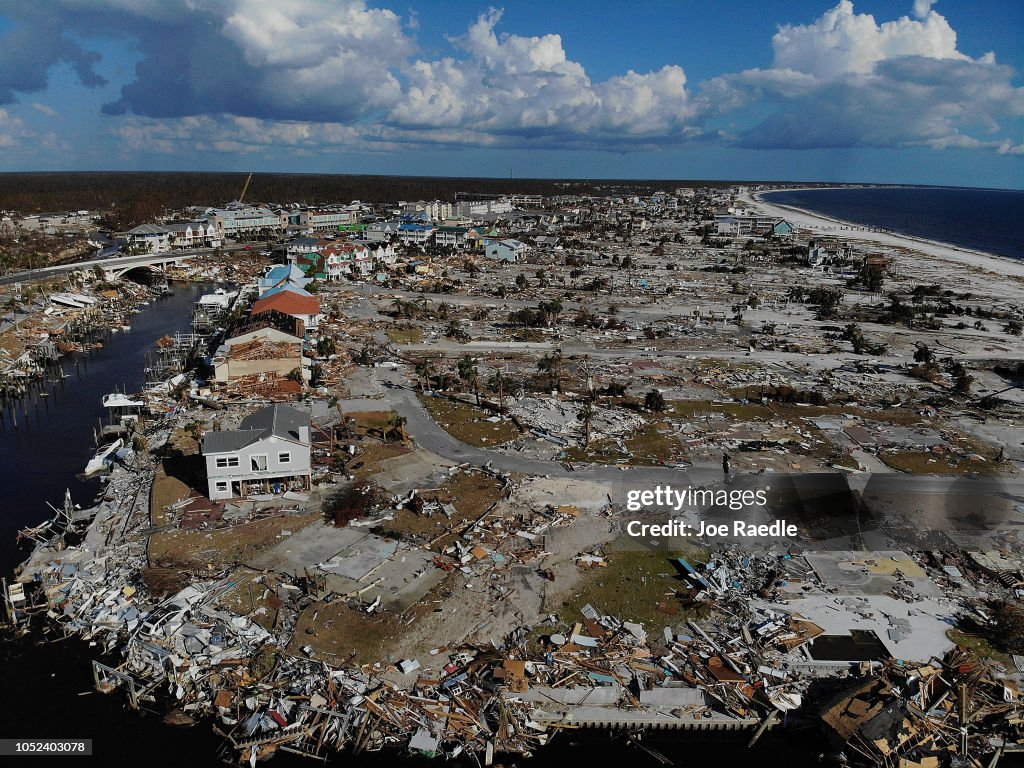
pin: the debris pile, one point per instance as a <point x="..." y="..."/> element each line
<point x="565" y="419"/>
<point x="950" y="711"/>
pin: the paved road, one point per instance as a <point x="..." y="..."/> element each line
<point x="905" y="491"/>
<point x="429" y="435"/>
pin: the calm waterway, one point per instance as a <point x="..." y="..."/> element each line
<point x="49" y="686"/>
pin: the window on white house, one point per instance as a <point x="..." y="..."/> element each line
<point x="284" y="458"/>
<point x="258" y="463"/>
<point x="227" y="461"/>
<point x="222" y="486"/>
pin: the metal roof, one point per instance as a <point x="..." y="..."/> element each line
<point x="229" y="441"/>
<point x="276" y="420"/>
<point x="279" y="420"/>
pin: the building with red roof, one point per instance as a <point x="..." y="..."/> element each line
<point x="304" y="308"/>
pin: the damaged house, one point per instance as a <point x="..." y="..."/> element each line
<point x="267" y="344"/>
<point x="268" y="453"/>
<point x="300" y="305"/>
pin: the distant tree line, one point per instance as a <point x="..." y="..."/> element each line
<point x="137" y="197"/>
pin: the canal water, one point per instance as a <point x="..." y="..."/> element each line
<point x="53" y="440"/>
<point x="48" y="687"/>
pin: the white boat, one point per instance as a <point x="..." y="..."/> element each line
<point x="66" y="300"/>
<point x="76" y="300"/>
<point x="117" y="400"/>
<point x="103" y="459"/>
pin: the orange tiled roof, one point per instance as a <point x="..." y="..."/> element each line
<point x="288" y="302"/>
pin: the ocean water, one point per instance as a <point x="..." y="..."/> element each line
<point x="988" y="220"/>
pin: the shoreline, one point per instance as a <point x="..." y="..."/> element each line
<point x="817" y="223"/>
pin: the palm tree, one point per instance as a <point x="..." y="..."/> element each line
<point x="586" y="414"/>
<point x="551" y="310"/>
<point x="455" y="331"/>
<point x="469" y="374"/>
<point x="399" y="423"/>
<point x="395" y="424"/>
<point x="425" y="371"/>
<point x="551" y="364"/>
<point x="654" y="401"/>
<point x="498" y="382"/>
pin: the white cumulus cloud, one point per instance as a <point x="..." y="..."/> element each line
<point x="843" y="41"/>
<point x="250" y="75"/>
<point x="516" y="89"/>
<point x="846" y="80"/>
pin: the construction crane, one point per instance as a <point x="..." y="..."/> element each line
<point x="241" y="197"/>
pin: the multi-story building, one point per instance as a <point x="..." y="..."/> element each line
<point x="193" y="234"/>
<point x="750" y="224"/>
<point x="482" y="207"/>
<point x="327" y="219"/>
<point x="291" y="301"/>
<point x="238" y="220"/>
<point x="415" y="234"/>
<point x="149" y="238"/>
<point x="505" y="249"/>
<point x="268" y="453"/>
<point x="451" y="237"/>
<point x="435" y="210"/>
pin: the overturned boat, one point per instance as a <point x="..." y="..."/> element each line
<point x="104" y="458"/>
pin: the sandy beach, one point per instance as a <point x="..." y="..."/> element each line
<point x="845" y="230"/>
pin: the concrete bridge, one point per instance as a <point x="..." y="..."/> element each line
<point x="115" y="266"/>
<point x="119" y="266"/>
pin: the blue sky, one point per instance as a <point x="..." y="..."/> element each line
<point x="911" y="91"/>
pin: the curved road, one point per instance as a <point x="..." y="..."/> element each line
<point x="911" y="490"/>
<point x="430" y="435"/>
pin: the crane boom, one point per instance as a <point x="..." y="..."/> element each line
<point x="241" y="197"/>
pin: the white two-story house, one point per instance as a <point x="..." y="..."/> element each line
<point x="192" y="234"/>
<point x="149" y="238"/>
<point x="268" y="453"/>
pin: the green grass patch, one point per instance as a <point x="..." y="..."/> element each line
<point x="982" y="648"/>
<point x="410" y="335"/>
<point x="468" y="423"/>
<point x="691" y="409"/>
<point x="928" y="463"/>
<point x="649" y="446"/>
<point x="633" y="584"/>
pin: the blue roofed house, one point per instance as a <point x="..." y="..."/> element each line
<point x="281" y="276"/>
<point x="415" y="234"/>
<point x="505" y="249"/>
<point x="285" y="287"/>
